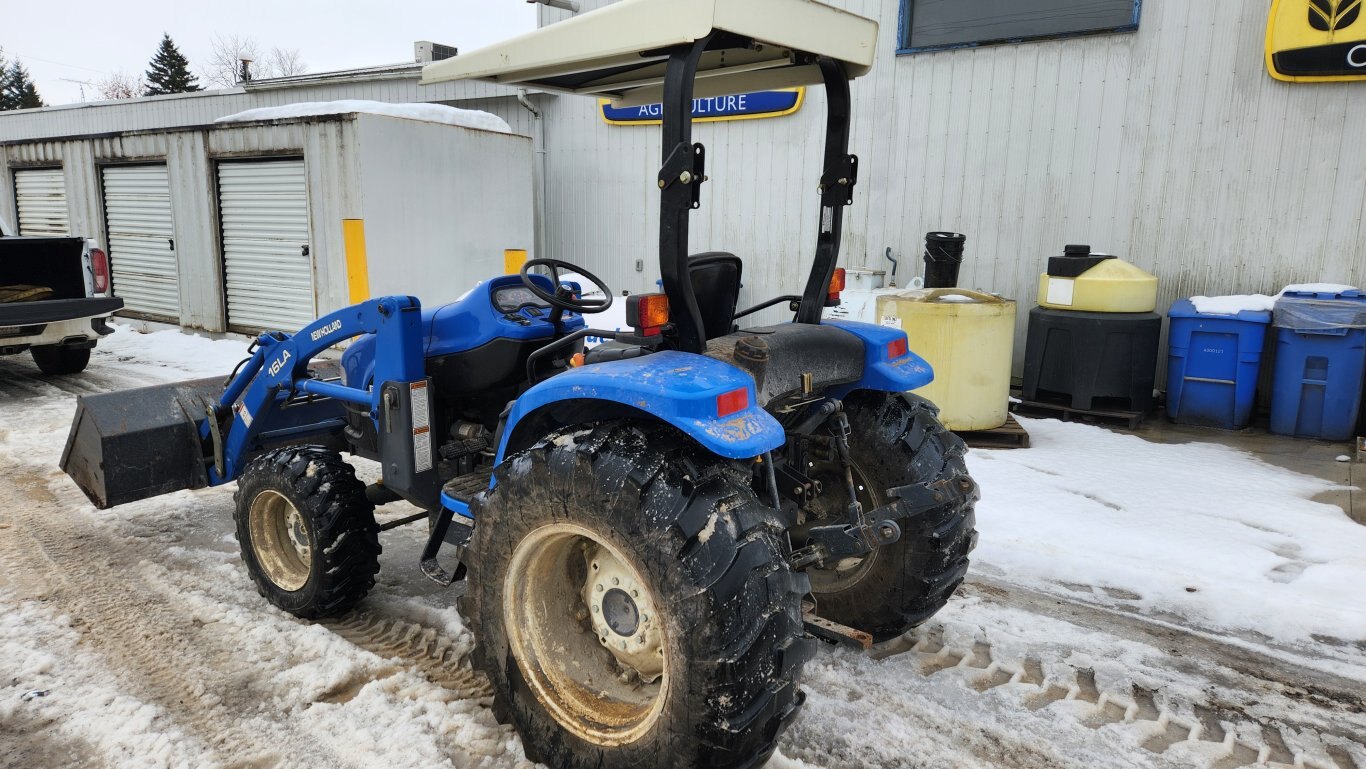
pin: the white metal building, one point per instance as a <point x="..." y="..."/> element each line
<point x="268" y="224"/>
<point x="1169" y="145"/>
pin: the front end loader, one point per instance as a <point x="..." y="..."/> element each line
<point x="651" y="532"/>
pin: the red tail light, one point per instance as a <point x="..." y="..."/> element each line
<point x="99" y="265"/>
<point x="732" y="402"/>
<point x="896" y="349"/>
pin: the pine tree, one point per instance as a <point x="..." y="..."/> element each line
<point x="5" y="102"/>
<point x="169" y="71"/>
<point x="18" y="89"/>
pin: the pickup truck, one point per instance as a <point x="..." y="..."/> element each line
<point x="55" y="299"/>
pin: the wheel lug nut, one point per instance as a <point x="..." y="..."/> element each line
<point x="616" y="581"/>
<point x="599" y="588"/>
<point x="635" y="593"/>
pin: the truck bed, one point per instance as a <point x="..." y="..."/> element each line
<point x="53" y="263"/>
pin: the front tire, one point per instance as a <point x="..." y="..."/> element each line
<point x="897" y="440"/>
<point x="632" y="604"/>
<point x="307" y="533"/>
<point x="56" y="360"/>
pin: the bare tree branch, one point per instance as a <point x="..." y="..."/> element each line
<point x="224" y="66"/>
<point x="121" y="85"/>
<point x="285" y="61"/>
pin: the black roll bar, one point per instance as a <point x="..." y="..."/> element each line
<point x="683" y="171"/>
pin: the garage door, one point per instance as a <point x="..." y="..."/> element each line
<point x="41" y="197"/>
<point x="267" y="266"/>
<point x="142" y="257"/>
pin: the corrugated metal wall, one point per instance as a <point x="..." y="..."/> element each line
<point x="440" y="204"/>
<point x="1171" y="147"/>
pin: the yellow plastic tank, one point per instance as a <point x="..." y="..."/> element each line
<point x="968" y="337"/>
<point x="1080" y="280"/>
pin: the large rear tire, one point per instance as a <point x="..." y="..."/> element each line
<point x="897" y="440"/>
<point x="307" y="533"/>
<point x="632" y="604"/>
<point x="56" y="360"/>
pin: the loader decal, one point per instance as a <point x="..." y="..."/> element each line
<point x="1311" y="41"/>
<point x="329" y="328"/>
<point x="279" y="364"/>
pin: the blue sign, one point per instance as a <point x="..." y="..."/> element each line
<point x="742" y="106"/>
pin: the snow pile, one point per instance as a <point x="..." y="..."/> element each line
<point x="430" y="113"/>
<point x="1234" y="304"/>
<point x="1197" y="530"/>
<point x="177" y="354"/>
<point x="1319" y="288"/>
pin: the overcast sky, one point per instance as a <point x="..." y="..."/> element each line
<point x="89" y="39"/>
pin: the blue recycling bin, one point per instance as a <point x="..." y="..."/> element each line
<point x="1320" y="364"/>
<point x="1212" y="365"/>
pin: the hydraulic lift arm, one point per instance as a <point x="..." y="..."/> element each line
<point x="273" y="397"/>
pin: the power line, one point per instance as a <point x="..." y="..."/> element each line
<point x="18" y="55"/>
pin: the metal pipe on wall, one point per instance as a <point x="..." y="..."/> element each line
<point x="538" y="172"/>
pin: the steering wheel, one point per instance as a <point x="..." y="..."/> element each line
<point x="561" y="298"/>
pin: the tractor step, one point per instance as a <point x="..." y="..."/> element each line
<point x="456" y="496"/>
<point x="465" y="487"/>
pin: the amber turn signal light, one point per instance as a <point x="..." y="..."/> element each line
<point x="647" y="313"/>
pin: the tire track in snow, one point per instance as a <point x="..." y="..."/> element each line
<point x="440" y="659"/>
<point x="1219" y="737"/>
<point x="157" y="653"/>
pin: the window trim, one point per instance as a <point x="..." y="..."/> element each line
<point x="903" y="29"/>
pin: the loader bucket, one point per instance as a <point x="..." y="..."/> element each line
<point x="131" y="445"/>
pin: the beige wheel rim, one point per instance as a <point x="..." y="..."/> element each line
<point x="279" y="539"/>
<point x="583" y="626"/>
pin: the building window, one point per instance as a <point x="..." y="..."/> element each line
<point x="929" y="25"/>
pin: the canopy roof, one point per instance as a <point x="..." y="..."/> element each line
<point x="617" y="52"/>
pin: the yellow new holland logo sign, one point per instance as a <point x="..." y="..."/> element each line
<point x="1310" y="41"/>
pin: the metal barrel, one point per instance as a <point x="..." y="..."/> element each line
<point x="131" y="445"/>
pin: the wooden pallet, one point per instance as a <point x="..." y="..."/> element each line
<point x="1008" y="436"/>
<point x="1066" y="413"/>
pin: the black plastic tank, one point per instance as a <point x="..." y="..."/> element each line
<point x="1092" y="361"/>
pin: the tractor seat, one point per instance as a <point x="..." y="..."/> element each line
<point x="716" y="284"/>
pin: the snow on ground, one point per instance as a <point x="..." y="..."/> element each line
<point x="1076" y="644"/>
<point x="1198" y="531"/>
<point x="430" y="113"/>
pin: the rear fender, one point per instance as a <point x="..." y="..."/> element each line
<point x="883" y="370"/>
<point x="677" y="388"/>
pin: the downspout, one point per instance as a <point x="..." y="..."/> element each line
<point x="538" y="173"/>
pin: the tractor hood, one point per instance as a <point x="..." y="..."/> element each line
<point x="619" y="52"/>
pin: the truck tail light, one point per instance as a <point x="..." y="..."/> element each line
<point x="647" y="313"/>
<point x="896" y="349"/>
<point x="99" y="266"/>
<point x="832" y="295"/>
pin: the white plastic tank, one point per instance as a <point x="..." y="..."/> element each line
<point x="968" y="337"/>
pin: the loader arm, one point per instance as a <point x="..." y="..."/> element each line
<point x="273" y="397"/>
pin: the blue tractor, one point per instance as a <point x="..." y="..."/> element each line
<point x="649" y="534"/>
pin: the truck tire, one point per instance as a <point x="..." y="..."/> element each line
<point x="307" y="533"/>
<point x="897" y="440"/>
<point x="54" y="359"/>
<point x="632" y="604"/>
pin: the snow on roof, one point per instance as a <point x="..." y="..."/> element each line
<point x="431" y="113"/>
